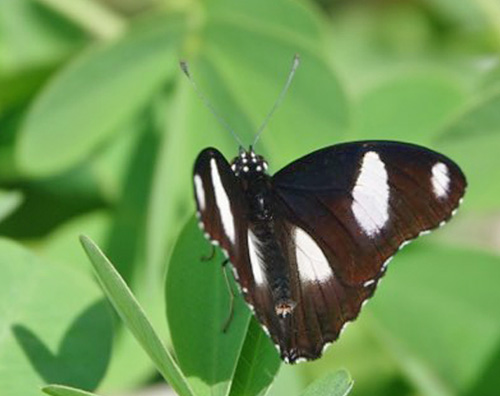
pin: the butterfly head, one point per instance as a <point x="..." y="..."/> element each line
<point x="249" y="164"/>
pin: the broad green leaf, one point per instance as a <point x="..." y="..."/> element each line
<point x="62" y="245"/>
<point x="258" y="363"/>
<point x="473" y="139"/>
<point x="61" y="390"/>
<point x="83" y="105"/>
<point x="490" y="80"/>
<point x="243" y="85"/>
<point x="197" y="308"/>
<point x="437" y="313"/>
<point x="32" y="37"/>
<point x="134" y="317"/>
<point x="368" y="361"/>
<point x="337" y="384"/>
<point x="408" y="107"/>
<point x="55" y="327"/>
<point x="291" y="380"/>
<point x="9" y="202"/>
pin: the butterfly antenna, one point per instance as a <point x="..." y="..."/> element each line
<point x="295" y="65"/>
<point x="185" y="68"/>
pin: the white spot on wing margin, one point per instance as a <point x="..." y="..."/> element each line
<point x="200" y="192"/>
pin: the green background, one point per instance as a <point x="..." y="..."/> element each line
<point x="99" y="130"/>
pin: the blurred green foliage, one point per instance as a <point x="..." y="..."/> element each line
<point x="98" y="133"/>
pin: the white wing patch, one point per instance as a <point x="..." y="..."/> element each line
<point x="222" y="202"/>
<point x="200" y="192"/>
<point x="312" y="263"/>
<point x="371" y="195"/>
<point x="440" y="180"/>
<point x="255" y="259"/>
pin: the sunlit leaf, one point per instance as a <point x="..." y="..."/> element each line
<point x="83" y="106"/>
<point x="435" y="319"/>
<point x="258" y="363"/>
<point x="9" y="202"/>
<point x="473" y="139"/>
<point x="61" y="390"/>
<point x="55" y="326"/>
<point x="134" y="317"/>
<point x="408" y="107"/>
<point x="197" y="299"/>
<point x="337" y="384"/>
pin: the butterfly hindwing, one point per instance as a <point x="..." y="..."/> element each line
<point x="223" y="214"/>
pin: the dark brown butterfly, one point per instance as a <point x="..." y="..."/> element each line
<point x="309" y="244"/>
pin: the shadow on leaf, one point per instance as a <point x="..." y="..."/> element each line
<point x="83" y="354"/>
<point x="488" y="383"/>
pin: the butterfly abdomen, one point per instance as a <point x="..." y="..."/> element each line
<point x="266" y="253"/>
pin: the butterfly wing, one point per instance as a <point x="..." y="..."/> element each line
<point x="350" y="207"/>
<point x="363" y="200"/>
<point x="223" y="214"/>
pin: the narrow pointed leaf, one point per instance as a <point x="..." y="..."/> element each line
<point x="134" y="317"/>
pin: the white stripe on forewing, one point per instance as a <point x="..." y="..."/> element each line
<point x="222" y="202"/>
<point x="440" y="180"/>
<point x="371" y="194"/>
<point x="255" y="259"/>
<point x="200" y="192"/>
<point x="312" y="264"/>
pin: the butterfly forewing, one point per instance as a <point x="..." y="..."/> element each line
<point x="361" y="201"/>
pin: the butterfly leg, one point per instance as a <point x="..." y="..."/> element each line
<point x="227" y="322"/>
<point x="210" y="256"/>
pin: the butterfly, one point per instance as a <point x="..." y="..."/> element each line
<point x="309" y="244"/>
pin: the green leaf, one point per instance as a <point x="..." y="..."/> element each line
<point x="134" y="317"/>
<point x="61" y="245"/>
<point x="472" y="139"/>
<point x="83" y="105"/>
<point x="55" y="327"/>
<point x="243" y="85"/>
<point x="258" y="364"/>
<point x="197" y="307"/>
<point x="337" y="384"/>
<point x="9" y="202"/>
<point x="32" y="37"/>
<point x="129" y="365"/>
<point x="408" y="107"/>
<point x="61" y="390"/>
<point x="437" y="313"/>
